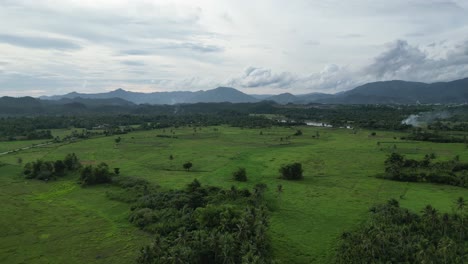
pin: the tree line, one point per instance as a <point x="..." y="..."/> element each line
<point x="88" y="175"/>
<point x="451" y="172"/>
<point x="50" y="170"/>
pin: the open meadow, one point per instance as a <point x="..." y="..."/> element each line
<point x="61" y="222"/>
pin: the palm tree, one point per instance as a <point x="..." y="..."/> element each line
<point x="460" y="204"/>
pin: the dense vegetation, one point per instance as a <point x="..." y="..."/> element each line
<point x="199" y="224"/>
<point x="96" y="175"/>
<point x="452" y="172"/>
<point x="436" y="136"/>
<point x="49" y="170"/>
<point x="396" y="235"/>
<point x="18" y="124"/>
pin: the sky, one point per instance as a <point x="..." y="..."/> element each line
<point x="257" y="46"/>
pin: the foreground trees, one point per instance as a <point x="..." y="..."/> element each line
<point x="204" y="225"/>
<point x="396" y="235"/>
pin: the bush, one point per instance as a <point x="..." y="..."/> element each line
<point x="291" y="171"/>
<point x="98" y="175"/>
<point x="187" y="165"/>
<point x="240" y="175"/>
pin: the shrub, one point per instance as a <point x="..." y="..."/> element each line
<point x="291" y="171"/>
<point x="240" y="175"/>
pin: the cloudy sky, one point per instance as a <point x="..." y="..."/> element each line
<point x="270" y="46"/>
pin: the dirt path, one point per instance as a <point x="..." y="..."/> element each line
<point x="25" y="148"/>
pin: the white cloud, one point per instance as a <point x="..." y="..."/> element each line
<point x="300" y="46"/>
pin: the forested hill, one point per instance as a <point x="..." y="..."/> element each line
<point x="386" y="92"/>
<point x="220" y="94"/>
<point x="401" y="92"/>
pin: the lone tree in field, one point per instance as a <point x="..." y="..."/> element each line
<point x="187" y="165"/>
<point x="240" y="175"/>
<point x="291" y="171"/>
<point x="298" y="133"/>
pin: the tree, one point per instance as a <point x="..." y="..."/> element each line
<point x="19" y="160"/>
<point x="102" y="173"/>
<point x="298" y="133"/>
<point x="460" y="204"/>
<point x="71" y="162"/>
<point x="171" y="157"/>
<point x="187" y="165"/>
<point x="86" y="175"/>
<point x="46" y="171"/>
<point x="240" y="175"/>
<point x="291" y="171"/>
<point x="99" y="174"/>
<point x="116" y="171"/>
<point x="117" y="140"/>
<point x="59" y="167"/>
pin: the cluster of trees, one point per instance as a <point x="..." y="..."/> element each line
<point x="396" y="235"/>
<point x="435" y="136"/>
<point x="452" y="172"/>
<point x="48" y="170"/>
<point x="91" y="175"/>
<point x="201" y="224"/>
<point x="448" y="126"/>
<point x="291" y="171"/>
<point x="38" y="127"/>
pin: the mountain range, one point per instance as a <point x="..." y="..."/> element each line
<point x="386" y="92"/>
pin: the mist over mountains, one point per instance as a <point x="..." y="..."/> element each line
<point x="386" y="92"/>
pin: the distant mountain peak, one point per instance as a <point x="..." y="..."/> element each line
<point x="119" y="90"/>
<point x="383" y="92"/>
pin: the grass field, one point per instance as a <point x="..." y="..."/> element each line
<point x="60" y="222"/>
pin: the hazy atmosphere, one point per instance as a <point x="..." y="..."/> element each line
<point x="55" y="47"/>
<point x="233" y="132"/>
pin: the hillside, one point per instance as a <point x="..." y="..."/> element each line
<point x="386" y="92"/>
<point x="402" y="92"/>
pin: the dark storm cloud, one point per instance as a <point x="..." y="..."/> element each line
<point x="38" y="42"/>
<point x="404" y="61"/>
<point x="399" y="60"/>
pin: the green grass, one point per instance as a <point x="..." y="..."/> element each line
<point x="306" y="220"/>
